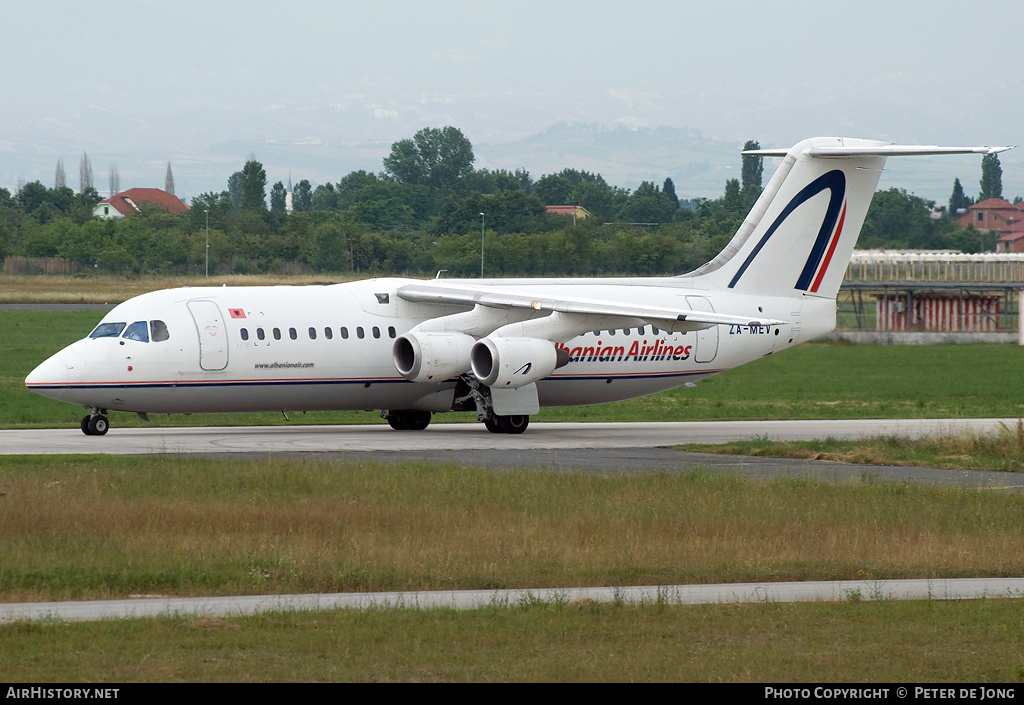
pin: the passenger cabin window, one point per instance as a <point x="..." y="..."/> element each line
<point x="391" y="331"/>
<point x="328" y="333"/>
<point x="107" y="330"/>
<point x="137" y="331"/>
<point x="292" y="334"/>
<point x="244" y="333"/>
<point x="277" y="334"/>
<point x="344" y="333"/>
<point x="260" y="334"/>
<point x="376" y="332"/>
<point x="359" y="332"/>
<point x="312" y="333"/>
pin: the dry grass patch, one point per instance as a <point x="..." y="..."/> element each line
<point x="961" y="449"/>
<point x="111" y="528"/>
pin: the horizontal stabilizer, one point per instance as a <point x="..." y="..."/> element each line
<point x="891" y="150"/>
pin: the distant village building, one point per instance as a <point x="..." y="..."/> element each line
<point x="1002" y="217"/>
<point x="127" y="202"/>
<point x="574" y="211"/>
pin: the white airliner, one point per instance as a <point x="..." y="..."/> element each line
<point x="500" y="347"/>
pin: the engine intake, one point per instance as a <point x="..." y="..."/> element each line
<point x="515" y="362"/>
<point x="432" y="357"/>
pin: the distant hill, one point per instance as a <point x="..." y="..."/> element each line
<point x="624" y="156"/>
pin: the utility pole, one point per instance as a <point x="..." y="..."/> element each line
<point x="207" y="210"/>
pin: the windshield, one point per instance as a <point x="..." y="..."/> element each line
<point x="137" y="331"/>
<point x="107" y="330"/>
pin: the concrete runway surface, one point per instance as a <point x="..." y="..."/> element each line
<point x="462" y="436"/>
<point x="947" y="589"/>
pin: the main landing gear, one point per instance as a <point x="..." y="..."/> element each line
<point x="470" y="394"/>
<point x="96" y="423"/>
<point x="507" y="424"/>
<point x="407" y="419"/>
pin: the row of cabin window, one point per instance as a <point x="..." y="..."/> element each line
<point x="328" y="333"/>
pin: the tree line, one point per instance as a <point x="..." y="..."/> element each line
<point x="425" y="212"/>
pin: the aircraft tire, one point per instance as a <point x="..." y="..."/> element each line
<point x="513" y="424"/>
<point x="98" y="425"/>
<point x="396" y="420"/>
<point x="85" y="425"/>
<point x="416" y="420"/>
<point x="493" y="426"/>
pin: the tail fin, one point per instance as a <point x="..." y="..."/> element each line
<point x="800" y="235"/>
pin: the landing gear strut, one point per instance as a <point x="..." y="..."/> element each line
<point x="406" y="419"/>
<point x="480" y="396"/>
<point x="96" y="423"/>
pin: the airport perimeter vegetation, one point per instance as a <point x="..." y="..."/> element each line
<point x="92" y="527"/>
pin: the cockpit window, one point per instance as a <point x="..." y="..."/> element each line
<point x="137" y="331"/>
<point x="107" y="330"/>
<point x="160" y="332"/>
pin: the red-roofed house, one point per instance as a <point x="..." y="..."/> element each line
<point x="121" y="204"/>
<point x="575" y="211"/>
<point x="999" y="216"/>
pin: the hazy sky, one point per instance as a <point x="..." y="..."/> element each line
<point x="173" y="76"/>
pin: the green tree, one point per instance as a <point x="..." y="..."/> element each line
<point x="958" y="200"/>
<point x="991" y="177"/>
<point x="278" y="198"/>
<point x="234" y="191"/>
<point x="438" y="158"/>
<point x="733" y="198"/>
<point x="648" y="204"/>
<point x="302" y="197"/>
<point x="669" y="189"/>
<point x="751" y="173"/>
<point x="254" y="188"/>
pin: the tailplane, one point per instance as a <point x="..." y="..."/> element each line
<point x="800" y="235"/>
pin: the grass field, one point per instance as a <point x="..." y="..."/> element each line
<point x="109" y="527"/>
<point x="92" y="526"/>
<point x="974" y="642"/>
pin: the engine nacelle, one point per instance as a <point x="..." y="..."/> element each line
<point x="515" y="362"/>
<point x="432" y="357"/>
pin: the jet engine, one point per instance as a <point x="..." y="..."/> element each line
<point x="515" y="362"/>
<point x="432" y="357"/>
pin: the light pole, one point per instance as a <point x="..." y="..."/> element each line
<point x="481" y="245"/>
<point x="207" y="210"/>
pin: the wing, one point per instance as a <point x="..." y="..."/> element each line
<point x="672" y="319"/>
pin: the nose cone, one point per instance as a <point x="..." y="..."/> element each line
<point x="52" y="376"/>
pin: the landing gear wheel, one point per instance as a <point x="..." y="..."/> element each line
<point x="408" y="419"/>
<point x="416" y="420"/>
<point x="85" y="425"/>
<point x="98" y="425"/>
<point x="516" y="423"/>
<point x="493" y="426"/>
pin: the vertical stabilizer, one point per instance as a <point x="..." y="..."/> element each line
<point x="799" y="236"/>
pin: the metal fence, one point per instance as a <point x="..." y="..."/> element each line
<point x="931" y="292"/>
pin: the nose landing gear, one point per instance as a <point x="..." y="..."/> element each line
<point x="96" y="423"/>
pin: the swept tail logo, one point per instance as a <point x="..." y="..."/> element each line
<point x="828" y="236"/>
